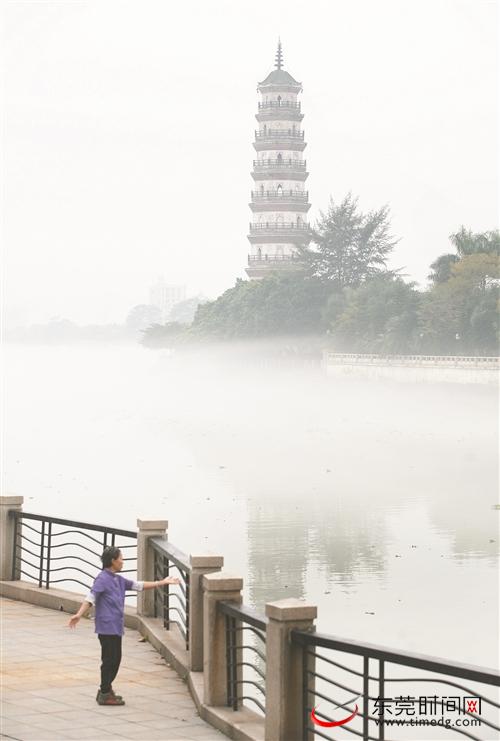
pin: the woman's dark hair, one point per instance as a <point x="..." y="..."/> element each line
<point x="109" y="555"/>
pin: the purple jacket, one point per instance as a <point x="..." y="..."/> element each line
<point x="108" y="596"/>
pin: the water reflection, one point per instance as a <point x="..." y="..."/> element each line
<point x="283" y="541"/>
<point x="372" y="500"/>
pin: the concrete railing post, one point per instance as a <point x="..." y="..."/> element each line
<point x="216" y="588"/>
<point x="7" y="528"/>
<point x="284" y="669"/>
<point x="200" y="565"/>
<point x="145" y="562"/>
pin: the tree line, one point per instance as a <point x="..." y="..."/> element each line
<point x="342" y="289"/>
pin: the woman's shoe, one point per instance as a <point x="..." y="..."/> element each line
<point x="109" y="698"/>
<point x="119" y="697"/>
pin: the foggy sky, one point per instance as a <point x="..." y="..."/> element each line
<point x="128" y="130"/>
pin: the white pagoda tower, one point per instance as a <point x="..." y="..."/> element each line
<point x="279" y="202"/>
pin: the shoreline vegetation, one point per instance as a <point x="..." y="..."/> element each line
<point x="340" y="296"/>
<point x="343" y="295"/>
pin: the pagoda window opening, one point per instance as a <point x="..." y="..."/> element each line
<point x="279" y="157"/>
<point x="279" y="100"/>
<point x="280" y="190"/>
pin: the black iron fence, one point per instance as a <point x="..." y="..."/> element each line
<point x="368" y="686"/>
<point x="50" y="550"/>
<point x="169" y="561"/>
<point x="240" y="618"/>
<point x="349" y="673"/>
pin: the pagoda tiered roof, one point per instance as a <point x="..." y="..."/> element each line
<point x="279" y="78"/>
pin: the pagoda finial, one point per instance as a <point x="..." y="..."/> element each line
<point x="279" y="56"/>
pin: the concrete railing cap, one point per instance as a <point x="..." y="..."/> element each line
<point x="291" y="609"/>
<point x="221" y="582"/>
<point x="8" y="500"/>
<point x="152" y="524"/>
<point x="208" y="561"/>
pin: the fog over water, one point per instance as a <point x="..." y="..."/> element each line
<point x="360" y="497"/>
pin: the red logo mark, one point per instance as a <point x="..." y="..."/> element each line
<point x="331" y="724"/>
<point x="471" y="706"/>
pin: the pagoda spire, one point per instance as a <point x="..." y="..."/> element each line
<point x="279" y="56"/>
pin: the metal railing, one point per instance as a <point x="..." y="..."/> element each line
<point x="241" y="618"/>
<point x="280" y="195"/>
<point x="272" y="104"/>
<point x="273" y="258"/>
<point x="45" y="550"/>
<point x="279" y="134"/>
<point x="311" y="641"/>
<point x="280" y="226"/>
<point x="451" y="361"/>
<point x="50" y="550"/>
<point x="168" y="559"/>
<point x="277" y="164"/>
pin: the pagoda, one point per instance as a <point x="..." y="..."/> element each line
<point x="279" y="201"/>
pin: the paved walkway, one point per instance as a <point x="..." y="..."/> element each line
<point x="50" y="676"/>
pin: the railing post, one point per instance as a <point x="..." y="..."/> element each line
<point x="145" y="562"/>
<point x="285" y="670"/>
<point x="216" y="588"/>
<point x="200" y="565"/>
<point x="8" y="568"/>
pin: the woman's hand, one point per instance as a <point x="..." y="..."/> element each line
<point x="169" y="580"/>
<point x="73" y="621"/>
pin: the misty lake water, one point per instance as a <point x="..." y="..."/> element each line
<point x="372" y="500"/>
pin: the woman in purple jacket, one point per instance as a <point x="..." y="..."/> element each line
<point x="108" y="596"/>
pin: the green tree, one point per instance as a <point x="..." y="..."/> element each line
<point x="142" y="316"/>
<point x="349" y="246"/>
<point x="163" y="335"/>
<point x="441" y="268"/>
<point x="468" y="242"/>
<point x="460" y="315"/>
<point x="282" y="304"/>
<point x="380" y="316"/>
<point x="184" y="311"/>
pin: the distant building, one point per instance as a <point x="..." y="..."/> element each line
<point x="165" y="296"/>
<point x="279" y="201"/>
